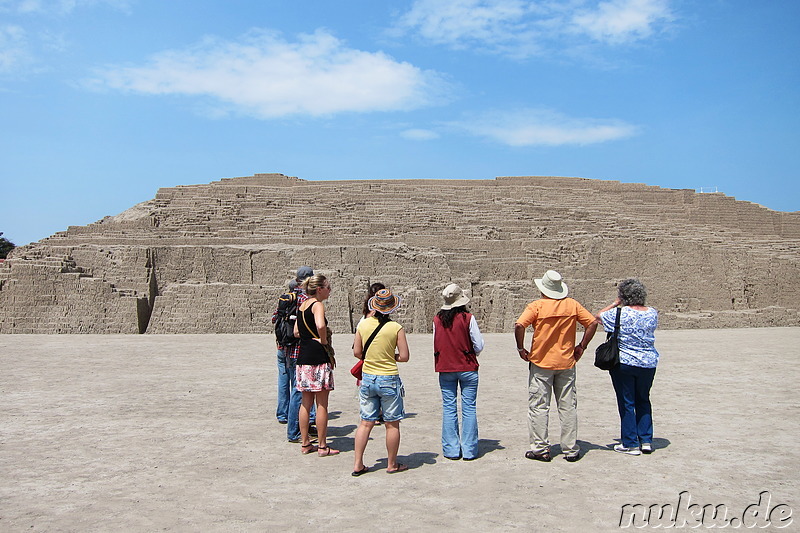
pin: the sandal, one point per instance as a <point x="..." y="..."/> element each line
<point x="542" y="456"/>
<point x="328" y="451"/>
<point x="400" y="468"/>
<point x="357" y="473"/>
<point x="308" y="448"/>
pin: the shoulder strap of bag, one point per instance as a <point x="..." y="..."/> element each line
<point x="615" y="334"/>
<point x="303" y="314"/>
<point x="369" y="341"/>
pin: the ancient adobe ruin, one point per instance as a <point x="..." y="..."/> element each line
<point x="214" y="258"/>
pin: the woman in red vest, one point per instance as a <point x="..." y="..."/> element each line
<point x="457" y="341"/>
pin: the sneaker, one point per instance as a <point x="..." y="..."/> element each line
<point x="573" y="457"/>
<point x="647" y="447"/>
<point x="630" y="451"/>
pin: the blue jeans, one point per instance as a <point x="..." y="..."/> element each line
<point x="284" y="390"/>
<point x="295" y="397"/>
<point x="381" y="394"/>
<point x="466" y="445"/>
<point x="632" y="386"/>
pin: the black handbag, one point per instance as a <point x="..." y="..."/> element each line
<point x="606" y="356"/>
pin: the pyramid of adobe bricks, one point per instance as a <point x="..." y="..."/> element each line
<point x="214" y="258"/>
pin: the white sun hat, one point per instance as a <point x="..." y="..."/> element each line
<point x="552" y="286"/>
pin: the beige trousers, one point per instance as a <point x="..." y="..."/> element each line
<point x="542" y="384"/>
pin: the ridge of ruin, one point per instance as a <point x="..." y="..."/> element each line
<point x="213" y="258"/>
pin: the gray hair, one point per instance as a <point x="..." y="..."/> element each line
<point x="632" y="292"/>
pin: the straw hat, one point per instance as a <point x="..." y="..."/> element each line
<point x="552" y="286"/>
<point x="384" y="302"/>
<point x="454" y="297"/>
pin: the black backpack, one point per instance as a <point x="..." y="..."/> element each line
<point x="286" y="317"/>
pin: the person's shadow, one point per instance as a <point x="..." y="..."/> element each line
<point x="414" y="460"/>
<point x="339" y="437"/>
<point x="487" y="446"/>
<point x="587" y="446"/>
<point x="658" y="444"/>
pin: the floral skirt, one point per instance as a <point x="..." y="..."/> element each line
<point x="314" y="378"/>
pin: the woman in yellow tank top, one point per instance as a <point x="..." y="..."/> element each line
<point x="381" y="388"/>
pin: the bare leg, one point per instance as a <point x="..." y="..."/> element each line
<point x="392" y="443"/>
<point x="305" y="408"/>
<point x="322" y="423"/>
<point x="322" y="417"/>
<point x="362" y="437"/>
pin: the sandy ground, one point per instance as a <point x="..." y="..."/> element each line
<point x="178" y="433"/>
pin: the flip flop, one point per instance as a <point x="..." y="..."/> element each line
<point x="357" y="473"/>
<point x="400" y="468"/>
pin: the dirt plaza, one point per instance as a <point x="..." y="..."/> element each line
<point x="178" y="433"/>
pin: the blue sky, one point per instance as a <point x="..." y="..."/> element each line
<point x="104" y="101"/>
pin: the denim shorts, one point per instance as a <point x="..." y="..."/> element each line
<point x="381" y="394"/>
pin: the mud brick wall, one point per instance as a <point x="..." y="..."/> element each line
<point x="51" y="297"/>
<point x="225" y="308"/>
<point x="213" y="258"/>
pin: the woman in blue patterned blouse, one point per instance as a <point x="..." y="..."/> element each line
<point x="638" y="358"/>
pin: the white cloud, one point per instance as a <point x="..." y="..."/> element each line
<point x="27" y="45"/>
<point x="541" y="127"/>
<point x="416" y="134"/>
<point x="266" y="76"/>
<point x="14" y="49"/>
<point x="529" y="27"/>
<point x="621" y="21"/>
<point x="457" y="21"/>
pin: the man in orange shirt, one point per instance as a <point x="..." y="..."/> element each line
<point x="551" y="363"/>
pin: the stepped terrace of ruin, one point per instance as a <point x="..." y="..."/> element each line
<point x="214" y="258"/>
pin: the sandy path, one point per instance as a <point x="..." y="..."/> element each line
<point x="177" y="433"/>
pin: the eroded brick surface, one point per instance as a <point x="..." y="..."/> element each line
<point x="214" y="258"/>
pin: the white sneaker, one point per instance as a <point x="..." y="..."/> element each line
<point x="647" y="447"/>
<point x="630" y="451"/>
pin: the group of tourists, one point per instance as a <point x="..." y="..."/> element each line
<point x="306" y="363"/>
